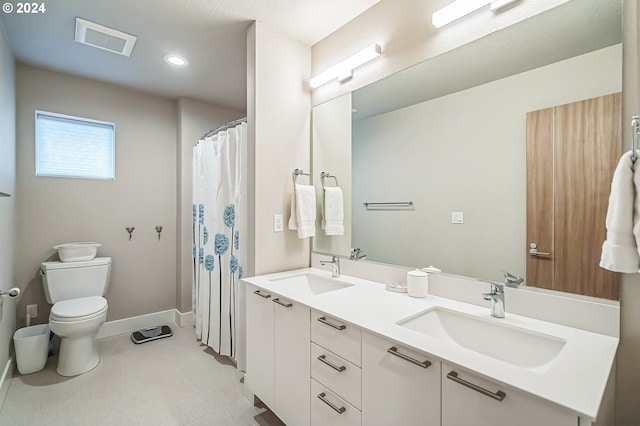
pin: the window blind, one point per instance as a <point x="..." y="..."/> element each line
<point x="74" y="147"/>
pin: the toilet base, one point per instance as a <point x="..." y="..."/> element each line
<point x="77" y="355"/>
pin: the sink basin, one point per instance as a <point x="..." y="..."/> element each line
<point x="311" y="283"/>
<point x="514" y="345"/>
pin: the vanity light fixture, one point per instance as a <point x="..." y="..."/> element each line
<point x="176" y="60"/>
<point x="344" y="70"/>
<point x="460" y="8"/>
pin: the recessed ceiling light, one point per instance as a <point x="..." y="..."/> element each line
<point x="176" y="60"/>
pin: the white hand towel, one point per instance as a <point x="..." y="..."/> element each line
<point x="333" y="214"/>
<point x="303" y="210"/>
<point x="620" y="250"/>
<point x="293" y="218"/>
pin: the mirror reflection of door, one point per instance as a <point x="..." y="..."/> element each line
<point x="572" y="151"/>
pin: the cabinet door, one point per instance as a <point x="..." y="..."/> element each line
<point x="292" y="362"/>
<point x="260" y="333"/>
<point x="468" y="399"/>
<point x="399" y="387"/>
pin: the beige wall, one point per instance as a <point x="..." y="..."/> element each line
<point x="422" y="144"/>
<point x="404" y="31"/>
<point x="57" y="210"/>
<point x="628" y="365"/>
<point x="7" y="204"/>
<point x="279" y="112"/>
<point x="195" y="118"/>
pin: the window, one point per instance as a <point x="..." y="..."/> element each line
<point x="74" y="147"/>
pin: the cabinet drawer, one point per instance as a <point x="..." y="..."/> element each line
<point x="337" y="336"/>
<point x="327" y="408"/>
<point x="338" y="374"/>
<point x="471" y="399"/>
<point x="400" y="386"/>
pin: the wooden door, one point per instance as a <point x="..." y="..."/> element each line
<point x="572" y="151"/>
<point x="540" y="196"/>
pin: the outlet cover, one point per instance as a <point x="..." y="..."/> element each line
<point x="32" y="311"/>
<point x="457" y="217"/>
<point x="278" y="223"/>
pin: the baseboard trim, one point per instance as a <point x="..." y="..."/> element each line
<point x="5" y="381"/>
<point x="129" y="325"/>
<point x="186" y="319"/>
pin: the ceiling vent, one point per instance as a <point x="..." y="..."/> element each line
<point x="105" y="38"/>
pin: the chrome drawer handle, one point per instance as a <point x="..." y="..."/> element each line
<point x="394" y="351"/>
<point x="337" y="327"/>
<point x="266" y="296"/>
<point x="323" y="359"/>
<point x="499" y="396"/>
<point x="286" y="305"/>
<point x="330" y="404"/>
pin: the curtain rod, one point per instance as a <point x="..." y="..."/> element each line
<point x="224" y="127"/>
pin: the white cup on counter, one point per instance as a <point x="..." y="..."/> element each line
<point x="417" y="283"/>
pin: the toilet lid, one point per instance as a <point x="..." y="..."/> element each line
<point x="81" y="307"/>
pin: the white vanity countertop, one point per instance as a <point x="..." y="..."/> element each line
<point x="575" y="379"/>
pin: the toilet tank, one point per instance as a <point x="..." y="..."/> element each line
<point x="71" y="280"/>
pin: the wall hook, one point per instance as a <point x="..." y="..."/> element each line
<point x="130" y="230"/>
<point x="159" y="230"/>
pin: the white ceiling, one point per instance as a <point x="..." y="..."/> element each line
<point x="211" y="34"/>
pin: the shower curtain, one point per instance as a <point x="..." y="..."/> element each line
<point x="219" y="248"/>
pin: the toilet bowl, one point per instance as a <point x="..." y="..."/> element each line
<point x="75" y="290"/>
<point x="76" y="322"/>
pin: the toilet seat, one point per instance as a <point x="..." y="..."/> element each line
<point x="80" y="309"/>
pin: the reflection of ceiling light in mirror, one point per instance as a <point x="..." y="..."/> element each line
<point x="176" y="60"/>
<point x="460" y="8"/>
<point x="343" y="70"/>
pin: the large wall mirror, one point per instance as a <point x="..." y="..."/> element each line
<point x="450" y="136"/>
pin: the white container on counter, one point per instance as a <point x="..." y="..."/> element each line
<point x="417" y="283"/>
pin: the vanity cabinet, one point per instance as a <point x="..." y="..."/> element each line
<point x="278" y="352"/>
<point x="469" y="399"/>
<point x="336" y="384"/>
<point x="260" y="344"/>
<point x="399" y="385"/>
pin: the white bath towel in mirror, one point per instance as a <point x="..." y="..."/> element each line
<point x="333" y="213"/>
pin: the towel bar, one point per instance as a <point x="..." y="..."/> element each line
<point x="389" y="204"/>
<point x="324" y="175"/>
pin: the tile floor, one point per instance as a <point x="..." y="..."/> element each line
<point x="173" y="381"/>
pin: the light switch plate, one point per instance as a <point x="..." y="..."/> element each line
<point x="277" y="223"/>
<point x="457" y="217"/>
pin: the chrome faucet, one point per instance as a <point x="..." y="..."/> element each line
<point x="357" y="254"/>
<point x="335" y="266"/>
<point x="496" y="297"/>
<point x="511" y="280"/>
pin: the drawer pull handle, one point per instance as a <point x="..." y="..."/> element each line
<point x="266" y="296"/>
<point x="499" y="396"/>
<point x="337" y="327"/>
<point x="281" y="303"/>
<point x="330" y="404"/>
<point x="394" y="351"/>
<point x="323" y="359"/>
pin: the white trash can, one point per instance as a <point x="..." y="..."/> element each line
<point x="32" y="348"/>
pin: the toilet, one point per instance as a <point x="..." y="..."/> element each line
<point x="75" y="289"/>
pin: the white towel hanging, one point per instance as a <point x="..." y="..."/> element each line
<point x="620" y="249"/>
